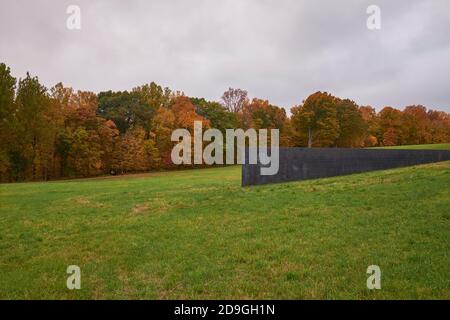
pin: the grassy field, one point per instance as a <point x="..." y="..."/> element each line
<point x="198" y="234"/>
<point x="442" y="146"/>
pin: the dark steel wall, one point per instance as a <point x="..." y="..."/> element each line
<point x="303" y="163"/>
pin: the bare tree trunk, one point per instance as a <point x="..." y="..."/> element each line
<point x="33" y="160"/>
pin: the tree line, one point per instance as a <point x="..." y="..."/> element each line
<point x="59" y="132"/>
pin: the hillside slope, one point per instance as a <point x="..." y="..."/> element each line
<point x="198" y="234"/>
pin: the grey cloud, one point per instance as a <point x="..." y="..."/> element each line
<point x="279" y="50"/>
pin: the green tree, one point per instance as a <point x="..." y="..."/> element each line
<point x="370" y="118"/>
<point x="163" y="124"/>
<point x="36" y="129"/>
<point x="154" y="95"/>
<point x="234" y="99"/>
<point x="218" y="116"/>
<point x="260" y="114"/>
<point x="7" y="92"/>
<point x="440" y="126"/>
<point x="390" y="130"/>
<point x="125" y="109"/>
<point x="352" y="127"/>
<point x="132" y="153"/>
<point x="416" y="125"/>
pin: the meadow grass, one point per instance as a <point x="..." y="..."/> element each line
<point x="198" y="234"/>
<point x="442" y="146"/>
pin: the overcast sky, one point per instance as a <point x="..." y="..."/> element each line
<point x="277" y="50"/>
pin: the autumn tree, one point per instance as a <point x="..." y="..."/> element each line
<point x="7" y="105"/>
<point x="37" y="119"/>
<point x="234" y="99"/>
<point x="352" y="127"/>
<point x="317" y="120"/>
<point x="369" y="116"/>
<point x="416" y="125"/>
<point x="390" y="127"/>
<point x="154" y="96"/>
<point x="163" y="124"/>
<point x="126" y="109"/>
<point x="60" y="133"/>
<point x="180" y="115"/>
<point x="217" y="115"/>
<point x="288" y="134"/>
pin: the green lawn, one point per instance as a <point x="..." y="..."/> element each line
<point x="442" y="146"/>
<point x="199" y="234"/>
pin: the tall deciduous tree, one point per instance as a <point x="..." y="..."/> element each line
<point x="218" y="116"/>
<point x="131" y="154"/>
<point x="390" y="127"/>
<point x="234" y="99"/>
<point x="185" y="114"/>
<point x="66" y="133"/>
<point x="352" y="127"/>
<point x="7" y="106"/>
<point x="316" y="119"/>
<point x="260" y="114"/>
<point x="154" y="95"/>
<point x="36" y="117"/>
<point x="86" y="143"/>
<point x="163" y="124"/>
<point x="126" y="109"/>
<point x="370" y="118"/>
<point x="416" y="125"/>
<point x="440" y="126"/>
